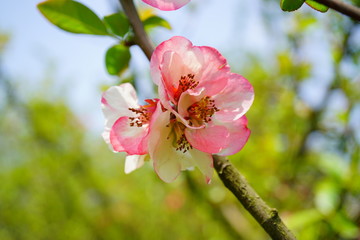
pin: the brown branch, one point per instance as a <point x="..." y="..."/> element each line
<point x="267" y="217"/>
<point x="141" y="38"/>
<point x="232" y="179"/>
<point x="344" y="8"/>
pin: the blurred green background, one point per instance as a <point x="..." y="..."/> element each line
<point x="59" y="180"/>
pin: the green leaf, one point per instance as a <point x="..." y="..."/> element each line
<point x="117" y="59"/>
<point x="291" y="5"/>
<point x="72" y="16"/>
<point x="118" y="23"/>
<point x="317" y="6"/>
<point x="155" y="21"/>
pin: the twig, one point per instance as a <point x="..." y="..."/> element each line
<point x="141" y="38"/>
<point x="232" y="179"/>
<point x="267" y="217"/>
<point x="344" y="8"/>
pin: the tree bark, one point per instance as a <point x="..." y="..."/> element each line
<point x="267" y="217"/>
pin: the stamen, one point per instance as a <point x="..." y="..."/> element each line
<point x="183" y="144"/>
<point x="203" y="110"/>
<point x="185" y="83"/>
<point x="142" y="118"/>
<point x="180" y="143"/>
<point x="144" y="113"/>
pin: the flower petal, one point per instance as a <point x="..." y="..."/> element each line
<point x="177" y="57"/>
<point x="132" y="139"/>
<point x="133" y="162"/>
<point x="204" y="162"/>
<point x="187" y="99"/>
<point x="167" y="5"/>
<point x="167" y="161"/>
<point x="213" y="74"/>
<point x="235" y="100"/>
<point x="238" y="136"/>
<point x="210" y="139"/>
<point x="116" y="102"/>
<point x="181" y="45"/>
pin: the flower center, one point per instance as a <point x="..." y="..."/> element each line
<point x="185" y="83"/>
<point x="180" y="142"/>
<point x="202" y="111"/>
<point x="143" y="113"/>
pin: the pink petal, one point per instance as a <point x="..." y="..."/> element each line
<point x="172" y="70"/>
<point x="132" y="140"/>
<point x="238" y="136"/>
<point x="235" y="100"/>
<point x="177" y="57"/>
<point x="210" y="139"/>
<point x="115" y="103"/>
<point x="213" y="74"/>
<point x="167" y="5"/>
<point x="133" y="162"/>
<point x="181" y="44"/>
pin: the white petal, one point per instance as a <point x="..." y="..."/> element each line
<point x="116" y="102"/>
<point x="133" y="162"/>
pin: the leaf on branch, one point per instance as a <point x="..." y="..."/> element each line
<point x="317" y="6"/>
<point x="117" y="23"/>
<point x="291" y="5"/>
<point x="117" y="59"/>
<point x="155" y="21"/>
<point x="72" y="16"/>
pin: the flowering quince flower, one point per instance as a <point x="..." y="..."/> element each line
<point x="127" y="124"/>
<point x="200" y="112"/>
<point x="205" y="105"/>
<point x="167" y="5"/>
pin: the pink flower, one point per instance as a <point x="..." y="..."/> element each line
<point x="127" y="123"/>
<point x="206" y="106"/>
<point x="201" y="112"/>
<point x="167" y="5"/>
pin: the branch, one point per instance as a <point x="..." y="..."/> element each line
<point x="267" y="217"/>
<point x="232" y="179"/>
<point x="344" y="8"/>
<point x="141" y="38"/>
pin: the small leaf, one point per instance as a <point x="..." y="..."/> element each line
<point x="118" y="23"/>
<point x="155" y="21"/>
<point x="291" y="5"/>
<point x="317" y="6"/>
<point x="72" y="16"/>
<point x="117" y="59"/>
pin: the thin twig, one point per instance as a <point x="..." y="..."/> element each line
<point x="344" y="8"/>
<point x="232" y="179"/>
<point x="267" y="217"/>
<point x="141" y="38"/>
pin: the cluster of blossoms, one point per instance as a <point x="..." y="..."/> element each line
<point x="200" y="111"/>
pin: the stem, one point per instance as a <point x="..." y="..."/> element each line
<point x="344" y="8"/>
<point x="141" y="38"/>
<point x="267" y="217"/>
<point x="232" y="179"/>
